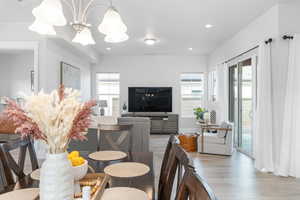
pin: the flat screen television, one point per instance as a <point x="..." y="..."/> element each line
<point x="150" y="99"/>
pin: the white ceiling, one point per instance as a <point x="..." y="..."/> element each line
<point x="178" y="24"/>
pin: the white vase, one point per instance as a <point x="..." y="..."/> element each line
<point x="56" y="178"/>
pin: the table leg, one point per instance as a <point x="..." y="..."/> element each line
<point x="98" y="139"/>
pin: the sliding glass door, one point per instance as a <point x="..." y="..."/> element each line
<point x="242" y="76"/>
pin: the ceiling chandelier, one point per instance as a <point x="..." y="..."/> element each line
<point x="50" y="14"/>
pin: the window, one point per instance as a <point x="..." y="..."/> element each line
<point x="108" y="90"/>
<point x="192" y="87"/>
<point x="213" y="86"/>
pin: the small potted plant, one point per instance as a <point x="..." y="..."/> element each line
<point x="199" y="113"/>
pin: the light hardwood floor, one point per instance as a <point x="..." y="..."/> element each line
<point x="234" y="178"/>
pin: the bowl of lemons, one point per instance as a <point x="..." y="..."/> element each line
<point x="80" y="165"/>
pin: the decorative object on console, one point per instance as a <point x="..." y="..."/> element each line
<point x="199" y="113"/>
<point x="50" y="13"/>
<point x="55" y="118"/>
<point x="70" y="76"/>
<point x="124" y="108"/>
<point x="102" y="104"/>
<point x="213" y="117"/>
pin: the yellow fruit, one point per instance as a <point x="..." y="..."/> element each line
<point x="74" y="154"/>
<point x="76" y="161"/>
<point x="81" y="159"/>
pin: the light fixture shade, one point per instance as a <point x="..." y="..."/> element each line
<point x="112" y="23"/>
<point x="50" y="12"/>
<point x="116" y="38"/>
<point x="42" y="28"/>
<point x="84" y="37"/>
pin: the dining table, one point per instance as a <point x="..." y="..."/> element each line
<point x="144" y="182"/>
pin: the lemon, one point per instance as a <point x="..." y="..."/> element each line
<point x="76" y="161"/>
<point x="74" y="154"/>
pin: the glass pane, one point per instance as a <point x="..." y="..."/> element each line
<point x="233" y="100"/>
<point x="113" y="105"/>
<point x="192" y="86"/>
<point x="108" y="90"/>
<point x="246" y="108"/>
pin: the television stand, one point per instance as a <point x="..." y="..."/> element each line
<point x="160" y="123"/>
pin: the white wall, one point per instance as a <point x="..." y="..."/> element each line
<point x="50" y="53"/>
<point x="281" y="19"/>
<point x="15" y="73"/>
<point x="289" y="17"/>
<point x="262" y="28"/>
<point x="4" y="74"/>
<point x="154" y="71"/>
<point x="53" y="54"/>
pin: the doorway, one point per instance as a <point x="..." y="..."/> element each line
<point x="242" y="98"/>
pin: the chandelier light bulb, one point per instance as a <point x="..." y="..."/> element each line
<point x="116" y="38"/>
<point x="84" y="37"/>
<point x="112" y="23"/>
<point x="42" y="28"/>
<point x="150" y="41"/>
<point x="50" y="12"/>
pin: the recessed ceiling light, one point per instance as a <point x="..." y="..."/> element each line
<point x="150" y="41"/>
<point x="190" y="49"/>
<point x="108" y="48"/>
<point x="208" y="26"/>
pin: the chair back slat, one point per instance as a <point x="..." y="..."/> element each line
<point x="174" y="158"/>
<point x="171" y="140"/>
<point x="32" y="156"/>
<point x="22" y="155"/>
<point x="18" y="170"/>
<point x="193" y="187"/>
<point x="9" y="164"/>
<point x="6" y="173"/>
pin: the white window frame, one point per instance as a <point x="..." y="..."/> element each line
<point x="111" y="113"/>
<point x="213" y="86"/>
<point x="202" y="96"/>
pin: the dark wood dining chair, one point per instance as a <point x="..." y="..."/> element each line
<point x="193" y="187"/>
<point x="174" y="158"/>
<point x="9" y="166"/>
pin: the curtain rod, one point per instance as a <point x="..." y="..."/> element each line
<point x="269" y="41"/>
<point x="287" y="37"/>
<point x="241" y="54"/>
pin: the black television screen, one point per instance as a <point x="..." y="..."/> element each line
<point x="150" y="99"/>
